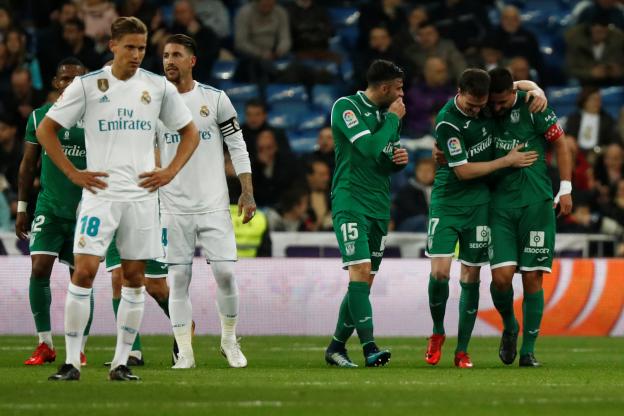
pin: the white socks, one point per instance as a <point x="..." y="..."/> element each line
<point x="46" y="336"/>
<point x="77" y="309"/>
<point x="180" y="308"/>
<point x="129" y="317"/>
<point x="227" y="299"/>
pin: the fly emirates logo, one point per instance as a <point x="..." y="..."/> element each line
<point x="124" y="121"/>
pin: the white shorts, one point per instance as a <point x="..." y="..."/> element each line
<point x="137" y="224"/>
<point x="213" y="231"/>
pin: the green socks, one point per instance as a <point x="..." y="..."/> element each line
<point x="532" y="311"/>
<point x="468" y="306"/>
<point x="40" y="300"/>
<point x="503" y="302"/>
<point x="361" y="310"/>
<point x="438" y="295"/>
<point x="344" y="326"/>
<point x="137" y="341"/>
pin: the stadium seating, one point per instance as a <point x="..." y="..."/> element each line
<point x="613" y="100"/>
<point x="240" y="92"/>
<point x="224" y="70"/>
<point x="313" y="120"/>
<point x="324" y="96"/>
<point x="563" y="99"/>
<point x="302" y="142"/>
<point x="287" y="97"/>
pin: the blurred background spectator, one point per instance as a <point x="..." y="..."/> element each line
<point x="410" y="207"/>
<point x="10" y="158"/>
<point x="256" y="122"/>
<point x="381" y="13"/>
<point x="291" y="211"/>
<point x="319" y="214"/>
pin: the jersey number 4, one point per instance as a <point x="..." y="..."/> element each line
<point x="90" y="225"/>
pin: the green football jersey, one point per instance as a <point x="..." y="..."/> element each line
<point x="365" y="137"/>
<point x="463" y="139"/>
<point x="58" y="194"/>
<point x="515" y="188"/>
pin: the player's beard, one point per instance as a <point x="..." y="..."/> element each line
<point x="173" y="75"/>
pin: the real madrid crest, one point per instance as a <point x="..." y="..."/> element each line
<point x="102" y="84"/>
<point x="203" y="111"/>
<point x="515" y="116"/>
<point x="146" y="98"/>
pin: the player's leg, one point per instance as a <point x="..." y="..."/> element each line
<point x="156" y="284"/>
<point x="503" y="253"/>
<point x="442" y="236"/>
<point x="537" y="228"/>
<point x="216" y="236"/>
<point x="473" y="253"/>
<point x="180" y="231"/>
<point x="113" y="265"/>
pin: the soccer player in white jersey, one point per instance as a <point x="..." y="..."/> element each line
<point x="120" y="106"/>
<point x="195" y="205"/>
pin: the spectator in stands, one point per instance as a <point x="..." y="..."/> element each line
<point x="140" y="9"/>
<point x="325" y="148"/>
<point x="255" y="122"/>
<point x="215" y="15"/>
<point x="186" y="22"/>
<point x="429" y="43"/>
<point x="10" y="157"/>
<point x="609" y="168"/>
<point x="376" y="13"/>
<point x="98" y="15"/>
<point x="77" y="44"/>
<point x="423" y="96"/>
<point x="590" y="126"/>
<point x="291" y="211"/>
<point x="490" y="54"/>
<point x="595" y="52"/>
<point x="319" y="215"/>
<point x="6" y="21"/>
<point x="274" y="172"/>
<point x="583" y="218"/>
<point x="411" y="203"/>
<point x="5" y="75"/>
<point x="310" y="28"/>
<point x="464" y="22"/>
<point x="610" y="8"/>
<point x="380" y="46"/>
<point x="23" y="98"/>
<point x="409" y="35"/>
<point x="620" y="123"/>
<point x="520" y="68"/>
<point x="262" y="35"/>
<point x="19" y="57"/>
<point x="514" y="40"/>
<point x="615" y="211"/>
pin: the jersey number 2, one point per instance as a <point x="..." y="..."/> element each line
<point x="90" y="225"/>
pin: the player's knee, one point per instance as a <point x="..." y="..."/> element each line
<point x="224" y="274"/>
<point x="42" y="268"/>
<point x="440" y="275"/>
<point x="157" y="288"/>
<point x="82" y="277"/>
<point x="532" y="282"/>
<point x="360" y="272"/>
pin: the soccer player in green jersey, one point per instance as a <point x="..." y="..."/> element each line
<point x="459" y="207"/>
<point x="52" y="230"/>
<point x="366" y="132"/>
<point x="522" y="212"/>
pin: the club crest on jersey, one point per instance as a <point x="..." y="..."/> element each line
<point x="515" y="116"/>
<point x="454" y="146"/>
<point x="82" y="242"/>
<point x="349" y="118"/>
<point x="350" y="249"/>
<point x="146" y="98"/>
<point x="102" y="84"/>
<point x="203" y="111"/>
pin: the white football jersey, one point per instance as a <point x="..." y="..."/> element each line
<point x="201" y="186"/>
<point x="120" y="119"/>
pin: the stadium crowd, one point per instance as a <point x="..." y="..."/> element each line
<point x="284" y="63"/>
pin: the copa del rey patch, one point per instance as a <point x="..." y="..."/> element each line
<point x="349" y="118"/>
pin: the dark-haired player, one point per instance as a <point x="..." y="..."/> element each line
<point x="52" y="229"/>
<point x="366" y="132"/>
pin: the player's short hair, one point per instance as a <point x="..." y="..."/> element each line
<point x="475" y="82"/>
<point x="127" y="26"/>
<point x="501" y="80"/>
<point x="383" y="71"/>
<point x="186" y="41"/>
<point x="69" y="61"/>
<point x="74" y="21"/>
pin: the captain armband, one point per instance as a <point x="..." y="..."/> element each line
<point x="229" y="127"/>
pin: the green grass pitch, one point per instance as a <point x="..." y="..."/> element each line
<point x="287" y="376"/>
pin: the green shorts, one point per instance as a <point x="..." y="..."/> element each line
<point x="53" y="236"/>
<point x="361" y="238"/>
<point x="468" y="225"/>
<point x="153" y="269"/>
<point x="523" y="237"/>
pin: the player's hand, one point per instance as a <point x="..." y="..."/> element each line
<point x="397" y="107"/>
<point x="400" y="156"/>
<point x="519" y="159"/>
<point x="156" y="178"/>
<point x="539" y="102"/>
<point x="21" y="225"/>
<point x="565" y="204"/>
<point x="246" y="207"/>
<point x="438" y="156"/>
<point x="89" y="180"/>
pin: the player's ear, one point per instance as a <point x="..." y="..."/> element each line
<point x="55" y="83"/>
<point x="193" y="61"/>
<point x="111" y="45"/>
